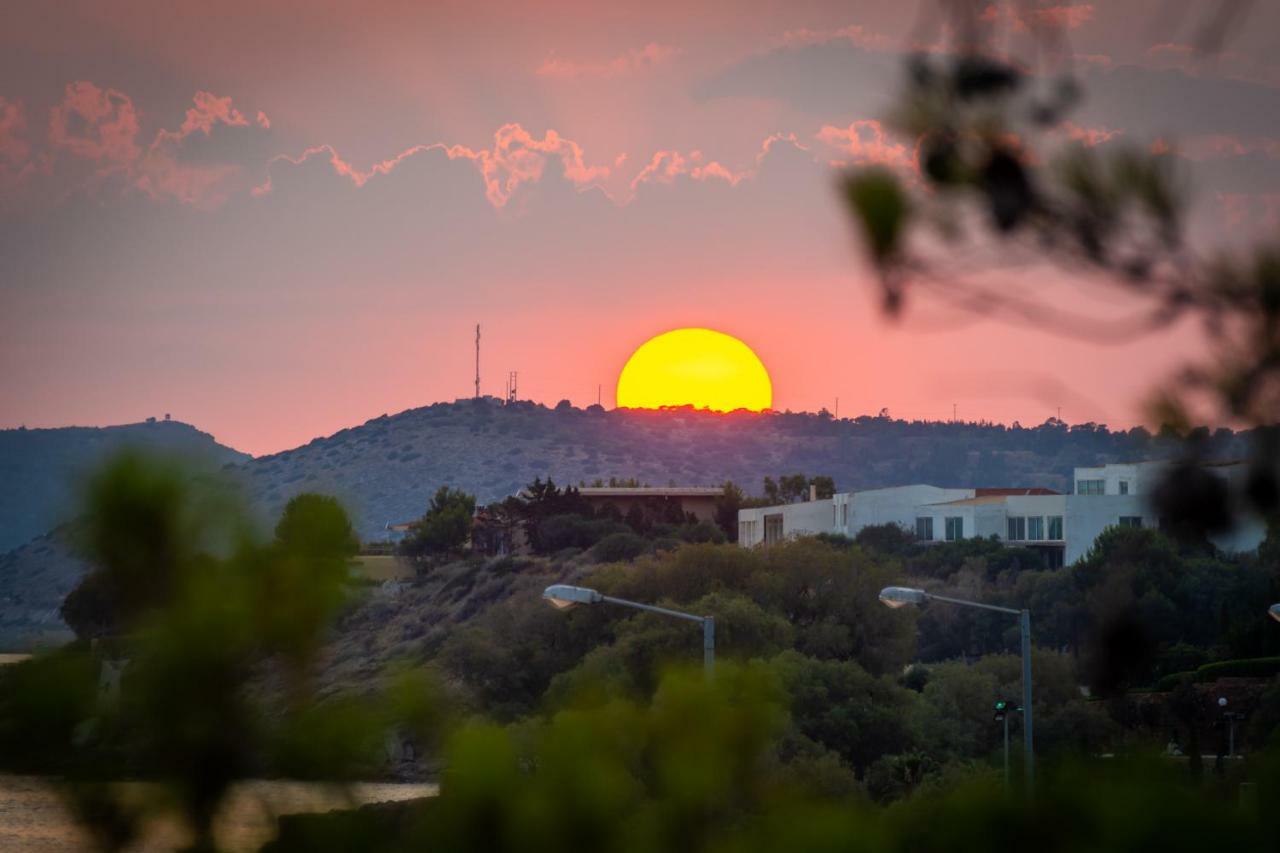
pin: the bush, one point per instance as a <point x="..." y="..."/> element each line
<point x="619" y="547"/>
<point x="703" y="531"/>
<point x="1250" y="668"/>
<point x="575" y="531"/>
<point x="1247" y="668"/>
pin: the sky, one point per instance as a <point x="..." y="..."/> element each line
<point x="275" y="220"/>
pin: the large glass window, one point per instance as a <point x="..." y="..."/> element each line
<point x="924" y="529"/>
<point x="1124" y="487"/>
<point x="1055" y="527"/>
<point x="1130" y="521"/>
<point x="1035" y="528"/>
<point x="1017" y="528"/>
<point x="955" y="527"/>
<point x="844" y="514"/>
<point x="1091" y="487"/>
<point x="772" y="528"/>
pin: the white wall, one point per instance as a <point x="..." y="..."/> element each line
<point x="800" y="519"/>
<point x="1085" y="517"/>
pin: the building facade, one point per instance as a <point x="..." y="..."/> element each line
<point x="1061" y="527"/>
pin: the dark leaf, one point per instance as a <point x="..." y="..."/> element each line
<point x="1008" y="188"/>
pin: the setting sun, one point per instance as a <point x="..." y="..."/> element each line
<point x="695" y="367"/>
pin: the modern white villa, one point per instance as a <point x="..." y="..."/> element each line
<point x="1062" y="527"/>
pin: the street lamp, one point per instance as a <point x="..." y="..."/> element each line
<point x="563" y="597"/>
<point x="901" y="596"/>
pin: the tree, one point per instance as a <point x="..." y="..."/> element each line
<point x="793" y="487"/>
<point x="727" y="506"/>
<point x="771" y="492"/>
<point x="825" y="486"/>
<point x="316" y="525"/>
<point x="1115" y="214"/>
<point x="199" y="609"/>
<point x="446" y="525"/>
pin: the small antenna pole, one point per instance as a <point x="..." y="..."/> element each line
<point x="598" y="387"/>
<point x="477" y="361"/>
<point x="837" y="412"/>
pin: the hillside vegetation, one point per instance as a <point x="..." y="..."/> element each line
<point x="386" y="470"/>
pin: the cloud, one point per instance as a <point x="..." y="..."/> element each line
<point x="666" y="166"/>
<point x="633" y="61"/>
<point x="13" y="124"/>
<point x="1026" y="18"/>
<point x="201" y="162"/>
<point x="1089" y="136"/>
<point x="95" y="124"/>
<point x="14" y="148"/>
<point x="517" y="158"/>
<point x="854" y="34"/>
<point x="864" y="142"/>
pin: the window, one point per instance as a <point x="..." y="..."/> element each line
<point x="1130" y="521"/>
<point x="1091" y="487"/>
<point x="1017" y="528"/>
<point x="844" y="515"/>
<point x="772" y="528"/>
<point x="1124" y="487"/>
<point x="833" y="515"/>
<point x="924" y="529"/>
<point x="1035" y="528"/>
<point x="1055" y="527"/>
<point x="955" y="527"/>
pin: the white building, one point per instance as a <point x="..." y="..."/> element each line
<point x="1062" y="527"/>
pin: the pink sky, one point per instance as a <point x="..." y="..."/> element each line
<point x="276" y="220"/>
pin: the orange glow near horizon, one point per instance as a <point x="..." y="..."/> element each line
<point x="695" y="367"/>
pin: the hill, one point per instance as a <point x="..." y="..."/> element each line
<point x="39" y="468"/>
<point x="386" y="469"/>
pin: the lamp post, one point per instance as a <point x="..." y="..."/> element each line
<point x="563" y="597"/>
<point x="901" y="596"/>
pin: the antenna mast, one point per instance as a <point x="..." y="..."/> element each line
<point x="477" y="361"/>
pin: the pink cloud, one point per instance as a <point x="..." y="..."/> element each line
<point x="96" y="124"/>
<point x="1214" y="146"/>
<point x="855" y="34"/>
<point x="164" y="171"/>
<point x="1098" y="60"/>
<point x="665" y="166"/>
<point x="864" y="142"/>
<point x="516" y="158"/>
<point x="1090" y="136"/>
<point x="1069" y="16"/>
<point x="14" y="148"/>
<point x="634" y="60"/>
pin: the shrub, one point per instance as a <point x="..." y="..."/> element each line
<point x="619" y="547"/>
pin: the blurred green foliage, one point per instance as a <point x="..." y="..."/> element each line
<point x="703" y="766"/>
<point x="187" y="619"/>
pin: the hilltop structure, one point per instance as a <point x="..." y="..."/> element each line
<point x="1062" y="527"/>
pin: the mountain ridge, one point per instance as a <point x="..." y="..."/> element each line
<point x="40" y="468"/>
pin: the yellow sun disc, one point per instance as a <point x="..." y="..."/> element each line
<point x="695" y="367"/>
